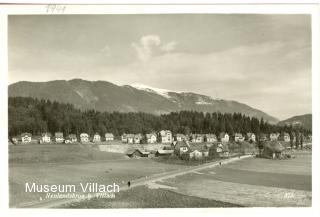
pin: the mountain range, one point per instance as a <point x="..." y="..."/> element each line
<point x="301" y="120"/>
<point x="106" y="96"/>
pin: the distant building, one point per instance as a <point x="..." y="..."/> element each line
<point x="263" y="137"/>
<point x="180" y="137"/>
<point x="136" y="153"/>
<point x="45" y="138"/>
<point x="211" y="138"/>
<point x="274" y="136"/>
<point x="181" y="147"/>
<point x="151" y="138"/>
<point x="251" y="137"/>
<point x="130" y="138"/>
<point x="59" y="137"/>
<point x="137" y="138"/>
<point x="96" y="138"/>
<point x="238" y="137"/>
<point x="26" y="137"/>
<point x="195" y="154"/>
<point x="285" y="137"/>
<point x="84" y="137"/>
<point x="309" y="138"/>
<point x="164" y="153"/>
<point x="109" y="137"/>
<point x="72" y="138"/>
<point x="166" y="136"/>
<point x="219" y="151"/>
<point x="15" y="140"/>
<point x="197" y="138"/>
<point x="124" y="138"/>
<point x="224" y="137"/>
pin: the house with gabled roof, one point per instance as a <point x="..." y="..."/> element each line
<point x="109" y="137"/>
<point x="45" y="138"/>
<point x="130" y="138"/>
<point x="137" y="153"/>
<point x="211" y="138"/>
<point x="151" y="137"/>
<point x="72" y="138"/>
<point x="26" y="137"/>
<point x="182" y="147"/>
<point x="238" y="137"/>
<point x="180" y="137"/>
<point x="274" y="136"/>
<point x="196" y="138"/>
<point x="163" y="152"/>
<point x="251" y="137"/>
<point x="84" y="137"/>
<point x="285" y="137"/>
<point x="166" y="136"/>
<point x="224" y="137"/>
<point x="96" y="137"/>
<point x="59" y="137"/>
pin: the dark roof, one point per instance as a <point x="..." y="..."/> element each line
<point x="26" y="134"/>
<point x="180" y="144"/>
<point x="58" y="134"/>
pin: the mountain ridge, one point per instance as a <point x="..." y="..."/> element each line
<point x="298" y="120"/>
<point x="106" y="96"/>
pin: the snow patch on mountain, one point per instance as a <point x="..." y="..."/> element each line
<point x="162" y="92"/>
<point x="202" y="101"/>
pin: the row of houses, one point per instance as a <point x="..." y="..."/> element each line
<point x="164" y="135"/>
<point x="60" y="138"/>
<point x="183" y="149"/>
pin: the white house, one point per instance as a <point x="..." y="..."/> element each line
<point x="180" y="137"/>
<point x="124" y="138"/>
<point x="195" y="154"/>
<point x="26" y="137"/>
<point x="285" y="137"/>
<point x="196" y="138"/>
<point x="109" y="137"/>
<point x="59" y="137"/>
<point x="251" y="137"/>
<point x="151" y="138"/>
<point x="72" y="138"/>
<point x="211" y="138"/>
<point x="96" y="138"/>
<point x="274" y="136"/>
<point x="45" y="138"/>
<point x="84" y="137"/>
<point x="224" y="137"/>
<point x="137" y="138"/>
<point x="238" y="137"/>
<point x="166" y="136"/>
<point x="130" y="138"/>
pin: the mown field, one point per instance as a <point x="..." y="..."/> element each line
<point x="71" y="164"/>
<point x="143" y="197"/>
<point x="252" y="182"/>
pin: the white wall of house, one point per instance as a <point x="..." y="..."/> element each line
<point x="26" y="139"/>
<point x="46" y="139"/>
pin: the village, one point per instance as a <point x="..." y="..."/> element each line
<point x="192" y="146"/>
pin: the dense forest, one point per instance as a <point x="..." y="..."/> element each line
<point x="37" y="116"/>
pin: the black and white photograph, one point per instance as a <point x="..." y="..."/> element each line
<point x="159" y="110"/>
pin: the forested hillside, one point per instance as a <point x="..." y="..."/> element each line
<point x="38" y="116"/>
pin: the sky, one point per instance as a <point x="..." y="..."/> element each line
<point x="261" y="60"/>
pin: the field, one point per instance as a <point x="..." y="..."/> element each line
<point x="64" y="164"/>
<point x="143" y="197"/>
<point x="252" y="182"/>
